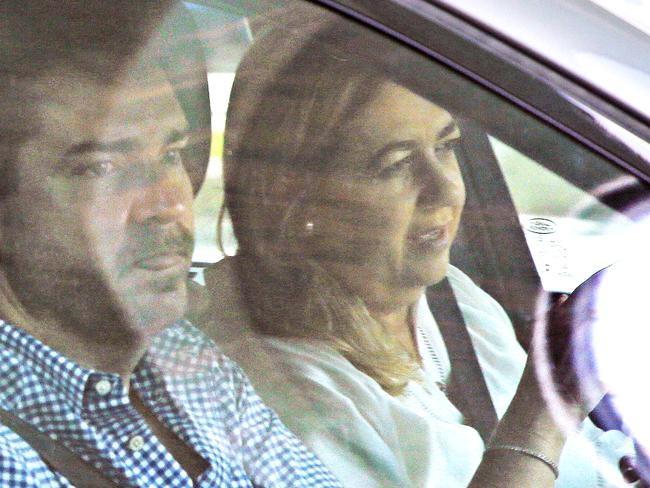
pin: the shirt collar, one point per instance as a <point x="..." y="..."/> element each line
<point x="179" y="350"/>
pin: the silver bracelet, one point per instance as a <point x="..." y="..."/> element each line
<point x="527" y="452"/>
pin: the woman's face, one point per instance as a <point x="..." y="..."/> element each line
<point x="383" y="221"/>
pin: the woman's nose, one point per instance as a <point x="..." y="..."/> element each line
<point x="440" y="182"/>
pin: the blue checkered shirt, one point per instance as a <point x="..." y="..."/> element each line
<point x="187" y="383"/>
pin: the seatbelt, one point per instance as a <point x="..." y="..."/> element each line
<point x="466" y="389"/>
<point x="58" y="458"/>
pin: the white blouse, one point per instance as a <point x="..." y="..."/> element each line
<point x="371" y="439"/>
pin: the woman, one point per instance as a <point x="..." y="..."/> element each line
<point x="345" y="196"/>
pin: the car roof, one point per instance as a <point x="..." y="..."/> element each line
<point x="581" y="38"/>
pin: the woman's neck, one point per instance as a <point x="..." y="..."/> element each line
<point x="400" y="324"/>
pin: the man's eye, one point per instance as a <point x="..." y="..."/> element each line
<point x="172" y="157"/>
<point x="446" y="148"/>
<point x="92" y="169"/>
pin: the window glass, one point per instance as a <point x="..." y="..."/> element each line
<point x="208" y="202"/>
<point x="226" y="35"/>
<point x="333" y="238"/>
<point x="374" y="237"/>
<point x="571" y="235"/>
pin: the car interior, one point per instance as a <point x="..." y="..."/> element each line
<point x="544" y="206"/>
<point x="522" y="161"/>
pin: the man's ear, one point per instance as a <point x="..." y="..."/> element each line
<point x="8" y="218"/>
<point x="3" y="220"/>
<point x="11" y="309"/>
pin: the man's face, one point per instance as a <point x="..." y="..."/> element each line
<point x="98" y="229"/>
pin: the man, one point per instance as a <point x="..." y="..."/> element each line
<point x="95" y="245"/>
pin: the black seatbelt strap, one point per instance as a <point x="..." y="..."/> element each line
<point x="57" y="456"/>
<point x="466" y="389"/>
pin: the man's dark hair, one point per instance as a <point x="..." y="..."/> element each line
<point x="98" y="39"/>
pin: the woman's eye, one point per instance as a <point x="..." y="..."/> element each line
<point x="172" y="157"/>
<point x="92" y="169"/>
<point x="446" y="148"/>
<point x="396" y="163"/>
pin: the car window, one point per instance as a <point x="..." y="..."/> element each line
<point x="540" y="215"/>
<point x="529" y="184"/>
<point x="209" y="200"/>
<point x="375" y="236"/>
<point x="570" y="236"/>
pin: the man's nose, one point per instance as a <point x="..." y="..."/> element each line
<point x="165" y="196"/>
<point x="441" y="182"/>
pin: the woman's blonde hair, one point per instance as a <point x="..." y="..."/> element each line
<point x="291" y="91"/>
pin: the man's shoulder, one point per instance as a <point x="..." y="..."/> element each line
<point x="16" y="372"/>
<point x="20" y="464"/>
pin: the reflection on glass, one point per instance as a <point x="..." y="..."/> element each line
<point x="345" y="194"/>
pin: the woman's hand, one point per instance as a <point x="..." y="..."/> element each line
<point x="525" y="449"/>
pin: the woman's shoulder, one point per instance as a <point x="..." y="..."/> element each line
<point x="466" y="290"/>
<point x="474" y="300"/>
<point x="487" y="322"/>
<point x="316" y="391"/>
<point x="320" y="365"/>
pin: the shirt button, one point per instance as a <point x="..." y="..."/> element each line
<point x="103" y="387"/>
<point x="136" y="443"/>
